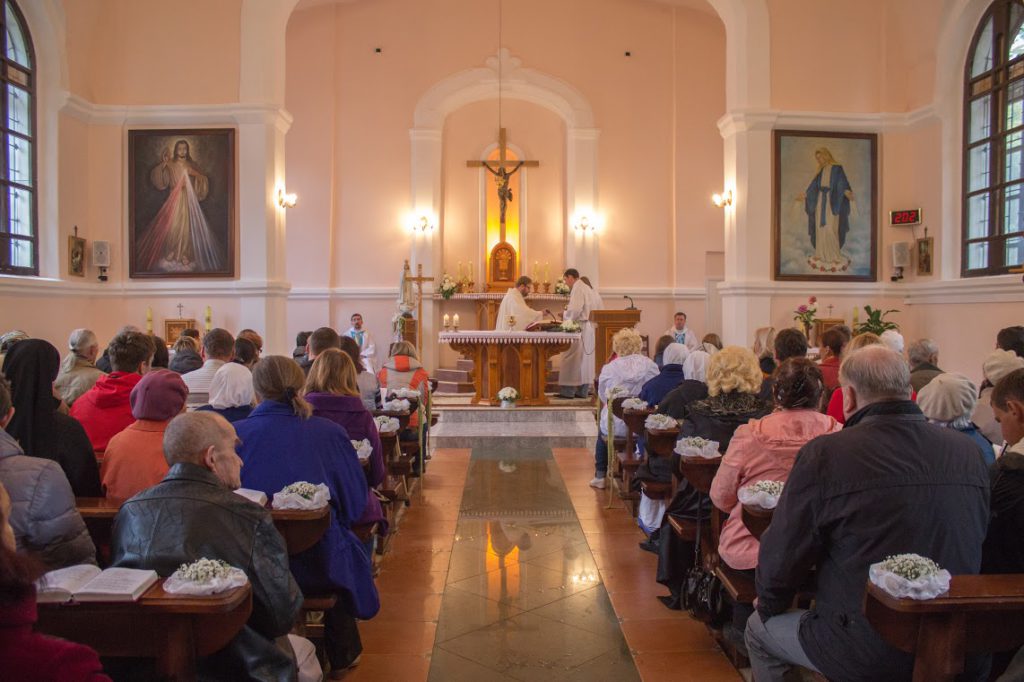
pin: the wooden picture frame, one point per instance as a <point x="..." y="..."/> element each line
<point x="173" y="329"/>
<point x="76" y="256"/>
<point x="925" y="252"/>
<point x="181" y="229"/>
<point x="845" y="247"/>
<point x="823" y="324"/>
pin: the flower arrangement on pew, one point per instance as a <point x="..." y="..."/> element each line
<point x="301" y="495"/>
<point x="660" y="422"/>
<point x="363" y="448"/>
<point x="406" y="393"/>
<point x="386" y="424"/>
<point x="397" y="405"/>
<point x="561" y="288"/>
<point x="910" y="575"/>
<point x="569" y="326"/>
<point x="448" y="286"/>
<point x="697" y="447"/>
<point x="763" y="494"/>
<point x="508" y="396"/>
<point x="205" y="576"/>
<point x="634" y="404"/>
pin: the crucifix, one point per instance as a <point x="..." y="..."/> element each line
<point x="502" y="170"/>
<point x="180" y="307"/>
<point x="418" y="280"/>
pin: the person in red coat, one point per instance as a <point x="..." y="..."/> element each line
<point x="105" y="409"/>
<point x="26" y="655"/>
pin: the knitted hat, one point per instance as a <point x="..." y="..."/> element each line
<point x="1000" y="363"/>
<point x="159" y="396"/>
<point x="948" y="397"/>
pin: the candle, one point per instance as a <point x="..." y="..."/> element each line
<point x="447" y="321"/>
<point x="547" y="272"/>
<point x="149" y="320"/>
<point x="536" y="270"/>
<point x="472" y="267"/>
<point x="460" y="270"/>
<point x="455" y="320"/>
<point x="856" y="316"/>
<point x="209" y="318"/>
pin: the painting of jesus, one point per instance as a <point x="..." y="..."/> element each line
<point x="181" y="196"/>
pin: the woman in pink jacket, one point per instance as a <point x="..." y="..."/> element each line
<point x="764" y="450"/>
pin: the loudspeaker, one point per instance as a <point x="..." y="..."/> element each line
<point x="901" y="255"/>
<point x="101" y="254"/>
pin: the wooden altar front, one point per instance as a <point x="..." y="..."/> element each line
<point x="517" y="359"/>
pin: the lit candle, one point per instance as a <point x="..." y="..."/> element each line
<point x="472" y="267"/>
<point x="149" y="320"/>
<point x="460" y="270"/>
<point x="447" y="321"/>
<point x="547" y="272"/>
<point x="455" y="320"/>
<point x="536" y="270"/>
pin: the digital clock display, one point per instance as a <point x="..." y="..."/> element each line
<point x="910" y="216"/>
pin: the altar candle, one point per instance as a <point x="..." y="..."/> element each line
<point x="455" y="320"/>
<point x="856" y="316"/>
<point x="149" y="320"/>
<point x="209" y="318"/>
<point x="536" y="270"/>
<point x="472" y="267"/>
<point x="447" y="320"/>
<point x="460" y="271"/>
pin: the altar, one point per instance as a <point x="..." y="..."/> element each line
<point x="517" y="359"/>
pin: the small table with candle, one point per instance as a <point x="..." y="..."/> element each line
<point x="517" y="359"/>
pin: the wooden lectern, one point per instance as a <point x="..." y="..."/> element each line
<point x="608" y="322"/>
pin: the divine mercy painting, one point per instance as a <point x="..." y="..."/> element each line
<point x="825" y="206"/>
<point x="181" y="196"/>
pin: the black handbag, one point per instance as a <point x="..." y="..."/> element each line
<point x="702" y="594"/>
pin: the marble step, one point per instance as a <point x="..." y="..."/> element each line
<point x="455" y="387"/>
<point x="531" y="415"/>
<point x="464" y="364"/>
<point x="556" y="434"/>
<point x="456" y="375"/>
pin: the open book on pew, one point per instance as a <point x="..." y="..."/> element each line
<point x="88" y="583"/>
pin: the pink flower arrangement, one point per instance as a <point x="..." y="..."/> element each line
<point x="805" y="313"/>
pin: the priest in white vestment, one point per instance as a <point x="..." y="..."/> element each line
<point x="367" y="347"/>
<point x="514" y="307"/>
<point x="576" y="377"/>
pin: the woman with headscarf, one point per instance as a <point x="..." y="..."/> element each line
<point x="948" y="400"/>
<point x="282" y="443"/>
<point x="134" y="458"/>
<point x="78" y="371"/>
<point x="42" y="431"/>
<point x="231" y="392"/>
<point x="692" y="388"/>
<point x="331" y="390"/>
<point x="670" y="376"/>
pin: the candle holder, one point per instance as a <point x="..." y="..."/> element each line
<point x="536" y="287"/>
<point x="547" y="287"/>
<point x="470" y="286"/>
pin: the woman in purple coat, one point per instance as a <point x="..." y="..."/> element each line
<point x="282" y="443"/>
<point x="332" y="391"/>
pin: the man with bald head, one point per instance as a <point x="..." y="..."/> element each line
<point x="193" y="513"/>
<point x="888" y="483"/>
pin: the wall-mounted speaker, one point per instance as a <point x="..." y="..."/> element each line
<point x="101" y="254"/>
<point x="901" y="255"/>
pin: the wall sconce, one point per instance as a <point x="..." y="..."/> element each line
<point x="285" y="200"/>
<point x="420" y="223"/>
<point x="586" y="222"/>
<point x="722" y="200"/>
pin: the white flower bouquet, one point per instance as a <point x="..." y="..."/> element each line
<point x="561" y="288"/>
<point x="363" y="448"/>
<point x="508" y="394"/>
<point x="697" y="447"/>
<point x="386" y="424"/>
<point x="205" y="576"/>
<point x="569" y="326"/>
<point x="764" y="494"/>
<point x="910" y="575"/>
<point x="448" y="286"/>
<point x="301" y="495"/>
<point x="660" y="422"/>
<point x="634" y="404"/>
<point x="397" y="405"/>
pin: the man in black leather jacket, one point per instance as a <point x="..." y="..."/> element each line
<point x="194" y="514"/>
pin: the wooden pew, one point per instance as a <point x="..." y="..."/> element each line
<point x="757" y="519"/>
<point x="628" y="460"/>
<point x="176" y="630"/>
<point x="979" y="614"/>
<point x="300" y="528"/>
<point x="660" y="443"/>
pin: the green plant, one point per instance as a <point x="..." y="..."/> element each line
<point x="875" y="322"/>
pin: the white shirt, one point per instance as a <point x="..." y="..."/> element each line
<point x="367" y="348"/>
<point x="198" y="381"/>
<point x="514" y="304"/>
<point x="689" y="339"/>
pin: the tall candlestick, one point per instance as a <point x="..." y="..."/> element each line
<point x="547" y="272"/>
<point x="472" y="270"/>
<point x="536" y="270"/>
<point x="460" y="271"/>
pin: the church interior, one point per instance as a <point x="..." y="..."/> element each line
<point x="500" y="205"/>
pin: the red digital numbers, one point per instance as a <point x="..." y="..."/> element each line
<point x="908" y="217"/>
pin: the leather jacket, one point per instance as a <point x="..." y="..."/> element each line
<point x="190" y="515"/>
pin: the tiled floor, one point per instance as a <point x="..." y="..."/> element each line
<point x="536" y="580"/>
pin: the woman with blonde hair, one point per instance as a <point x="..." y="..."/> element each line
<point x="627" y="373"/>
<point x="186" y="355"/>
<point x="332" y="391"/>
<point x="734" y="380"/>
<point x="78" y="371"/>
<point x="282" y="443"/>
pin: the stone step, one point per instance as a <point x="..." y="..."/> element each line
<point x="464" y="364"/>
<point x="455" y="387"/>
<point x="535" y="416"/>
<point x="452" y="375"/>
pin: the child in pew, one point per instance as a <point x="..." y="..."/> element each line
<point x="24" y="654"/>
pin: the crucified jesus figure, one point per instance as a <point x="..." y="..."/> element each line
<point x="501" y="178"/>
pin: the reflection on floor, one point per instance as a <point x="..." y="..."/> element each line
<point x="509" y="567"/>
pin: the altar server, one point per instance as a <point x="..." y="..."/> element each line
<point x="577" y="374"/>
<point x="682" y="333"/>
<point x="514" y="306"/>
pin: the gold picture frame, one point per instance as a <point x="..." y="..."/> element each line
<point x="925" y="255"/>
<point x="823" y="324"/>
<point x="173" y="329"/>
<point x="76" y="256"/>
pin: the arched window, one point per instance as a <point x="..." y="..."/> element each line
<point x="19" y="236"/>
<point x="993" y="210"/>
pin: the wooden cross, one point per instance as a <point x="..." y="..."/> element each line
<point x="500" y="171"/>
<point x="180" y="308"/>
<point x="418" y="280"/>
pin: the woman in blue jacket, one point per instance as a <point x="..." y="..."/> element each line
<point x="282" y="444"/>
